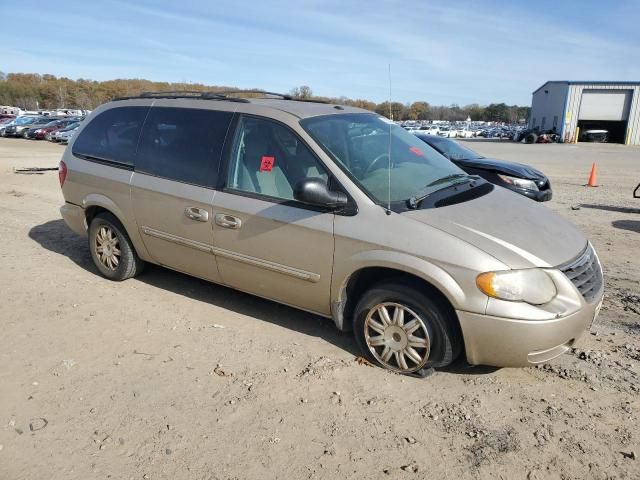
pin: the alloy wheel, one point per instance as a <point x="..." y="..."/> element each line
<point x="107" y="247"/>
<point x="397" y="337"/>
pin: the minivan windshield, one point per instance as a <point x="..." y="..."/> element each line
<point x="388" y="163"/>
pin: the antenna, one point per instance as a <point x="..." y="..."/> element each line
<point x="389" y="150"/>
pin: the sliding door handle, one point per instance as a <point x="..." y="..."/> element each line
<point x="195" y="213"/>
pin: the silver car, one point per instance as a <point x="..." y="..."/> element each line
<point x="336" y="211"/>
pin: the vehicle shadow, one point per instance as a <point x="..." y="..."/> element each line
<point x="610" y="208"/>
<point x="631" y="225"/>
<point x="56" y="237"/>
<point x="461" y="367"/>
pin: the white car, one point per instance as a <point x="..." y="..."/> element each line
<point x="447" y="132"/>
<point x="464" y="133"/>
<point x="431" y="130"/>
<point x="59" y="134"/>
<point x="64" y="137"/>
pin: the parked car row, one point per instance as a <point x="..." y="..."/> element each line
<point x="462" y="129"/>
<point x="452" y="131"/>
<point x="503" y="131"/>
<point x="32" y="127"/>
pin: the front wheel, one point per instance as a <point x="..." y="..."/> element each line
<point x="404" y="330"/>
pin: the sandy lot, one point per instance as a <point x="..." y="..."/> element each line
<point x="169" y="377"/>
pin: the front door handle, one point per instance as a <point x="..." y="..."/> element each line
<point x="195" y="213"/>
<point x="228" y="221"/>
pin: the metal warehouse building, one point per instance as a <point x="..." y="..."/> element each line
<point x="574" y="107"/>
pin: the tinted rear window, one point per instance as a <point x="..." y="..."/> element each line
<point x="112" y="135"/>
<point x="183" y="144"/>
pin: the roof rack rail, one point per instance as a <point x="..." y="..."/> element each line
<point x="197" y="94"/>
<point x="283" y="96"/>
<point x="222" y="95"/>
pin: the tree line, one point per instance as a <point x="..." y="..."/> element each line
<point x="32" y="91"/>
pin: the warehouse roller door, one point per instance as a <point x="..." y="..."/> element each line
<point x="604" y="110"/>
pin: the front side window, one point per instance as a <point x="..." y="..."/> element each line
<point x="269" y="159"/>
<point x="389" y="163"/>
<point x="112" y="135"/>
<point x="183" y="144"/>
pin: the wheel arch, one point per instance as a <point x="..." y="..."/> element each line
<point x="94" y="204"/>
<point x="418" y="273"/>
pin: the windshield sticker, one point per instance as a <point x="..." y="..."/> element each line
<point x="266" y="163"/>
<point x="416" y="151"/>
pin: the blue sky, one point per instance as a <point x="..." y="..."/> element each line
<point x="440" y="51"/>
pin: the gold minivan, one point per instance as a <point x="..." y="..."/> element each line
<point x="334" y="210"/>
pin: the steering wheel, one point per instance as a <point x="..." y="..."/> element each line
<point x="378" y="159"/>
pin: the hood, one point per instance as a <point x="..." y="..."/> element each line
<point x="511" y="228"/>
<point x="502" y="166"/>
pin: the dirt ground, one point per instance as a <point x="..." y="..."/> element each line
<point x="169" y="377"/>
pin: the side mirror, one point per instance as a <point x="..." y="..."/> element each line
<point x="315" y="191"/>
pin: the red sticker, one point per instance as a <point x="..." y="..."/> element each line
<point x="266" y="163"/>
<point x="416" y="151"/>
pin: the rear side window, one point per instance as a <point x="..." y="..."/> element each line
<point x="183" y="144"/>
<point x="112" y="136"/>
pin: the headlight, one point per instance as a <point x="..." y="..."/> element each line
<point x="532" y="285"/>
<point x="519" y="182"/>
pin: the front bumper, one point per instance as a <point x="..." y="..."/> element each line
<point x="506" y="342"/>
<point x="74" y="217"/>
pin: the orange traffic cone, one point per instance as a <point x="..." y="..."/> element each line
<point x="592" y="176"/>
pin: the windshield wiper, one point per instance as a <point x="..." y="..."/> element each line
<point x="429" y="189"/>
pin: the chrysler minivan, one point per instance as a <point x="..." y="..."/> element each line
<point x="334" y="210"/>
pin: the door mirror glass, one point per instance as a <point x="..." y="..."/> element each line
<point x="315" y="191"/>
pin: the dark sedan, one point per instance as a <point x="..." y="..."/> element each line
<point x="520" y="178"/>
<point x="16" y="126"/>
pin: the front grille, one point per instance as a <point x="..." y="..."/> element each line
<point x="585" y="273"/>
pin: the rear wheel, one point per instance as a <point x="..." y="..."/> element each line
<point x="111" y="249"/>
<point x="402" y="329"/>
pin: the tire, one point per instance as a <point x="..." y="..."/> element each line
<point x="531" y="138"/>
<point x="107" y="232"/>
<point x="435" y="326"/>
